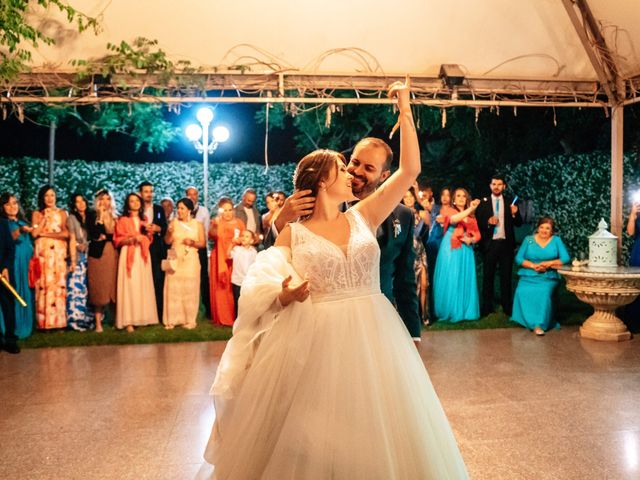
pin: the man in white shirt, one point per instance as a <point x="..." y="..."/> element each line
<point x="497" y="218"/>
<point x="247" y="212"/>
<point x="201" y="213"/>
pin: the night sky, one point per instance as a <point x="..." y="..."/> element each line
<point x="246" y="143"/>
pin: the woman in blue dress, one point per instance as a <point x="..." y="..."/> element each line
<point x="436" y="233"/>
<point x="538" y="258"/>
<point x="632" y="311"/>
<point x="455" y="282"/>
<point x="20" y="230"/>
<point x="79" y="315"/>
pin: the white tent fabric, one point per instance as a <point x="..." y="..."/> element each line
<point x="532" y="39"/>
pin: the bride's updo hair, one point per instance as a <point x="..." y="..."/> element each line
<point x="315" y="168"/>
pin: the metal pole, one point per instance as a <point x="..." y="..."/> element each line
<point x="52" y="149"/>
<point x="205" y="163"/>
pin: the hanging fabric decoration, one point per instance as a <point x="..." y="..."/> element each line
<point x="444" y="117"/>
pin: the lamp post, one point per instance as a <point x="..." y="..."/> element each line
<point x="199" y="136"/>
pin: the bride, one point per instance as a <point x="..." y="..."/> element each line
<point x="321" y="379"/>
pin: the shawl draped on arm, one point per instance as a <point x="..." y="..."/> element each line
<point x="264" y="360"/>
<point x="125" y="228"/>
<point x="462" y="228"/>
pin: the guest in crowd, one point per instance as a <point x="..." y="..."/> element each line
<point x="438" y="211"/>
<point x="156" y="225"/>
<point x="51" y="234"/>
<point x="632" y="311"/>
<point x="420" y="235"/>
<point x="136" y="302"/>
<point x="455" y="285"/>
<point x="8" y="338"/>
<point x="538" y="258"/>
<point x="182" y="281"/>
<point x="280" y="198"/>
<point x="225" y="230"/>
<point x="497" y="218"/>
<point x="201" y="213"/>
<point x="424" y="196"/>
<point x="167" y="205"/>
<point x="243" y="256"/>
<point x="11" y="210"/>
<point x="79" y="316"/>
<point x="272" y="200"/>
<point x="103" y="256"/>
<point x="247" y="212"/>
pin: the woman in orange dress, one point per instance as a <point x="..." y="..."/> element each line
<point x="50" y="234"/>
<point x="225" y="231"/>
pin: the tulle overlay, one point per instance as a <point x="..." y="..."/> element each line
<point x="331" y="388"/>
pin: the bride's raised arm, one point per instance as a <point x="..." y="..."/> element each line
<point x="379" y="205"/>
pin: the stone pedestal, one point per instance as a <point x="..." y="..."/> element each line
<point x="605" y="289"/>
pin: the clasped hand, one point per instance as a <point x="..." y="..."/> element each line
<point x="293" y="294"/>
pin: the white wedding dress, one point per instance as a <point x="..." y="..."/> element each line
<point x="331" y="388"/>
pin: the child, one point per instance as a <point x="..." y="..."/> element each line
<point x="243" y="256"/>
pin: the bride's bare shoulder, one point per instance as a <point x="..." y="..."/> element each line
<point x="284" y="237"/>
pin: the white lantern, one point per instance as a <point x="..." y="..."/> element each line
<point x="603" y="247"/>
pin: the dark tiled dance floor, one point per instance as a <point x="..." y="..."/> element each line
<point x="522" y="407"/>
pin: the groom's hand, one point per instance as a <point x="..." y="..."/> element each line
<point x="295" y="294"/>
<point x="295" y="206"/>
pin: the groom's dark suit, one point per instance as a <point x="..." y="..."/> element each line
<point x="397" y="276"/>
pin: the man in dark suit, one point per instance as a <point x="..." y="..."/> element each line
<point x="156" y="223"/>
<point x="497" y="218"/>
<point x="370" y="165"/>
<point x="9" y="341"/>
<point x="247" y="211"/>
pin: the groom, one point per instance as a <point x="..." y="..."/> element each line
<point x="370" y="165"/>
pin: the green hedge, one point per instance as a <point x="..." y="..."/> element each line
<point x="25" y="176"/>
<point x="575" y="190"/>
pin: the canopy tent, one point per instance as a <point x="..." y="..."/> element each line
<point x="574" y="53"/>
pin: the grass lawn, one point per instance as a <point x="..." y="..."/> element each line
<point x="570" y="311"/>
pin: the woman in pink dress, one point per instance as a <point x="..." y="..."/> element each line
<point x="136" y="302"/>
<point x="50" y="237"/>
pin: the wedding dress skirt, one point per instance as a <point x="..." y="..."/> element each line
<point x="332" y="388"/>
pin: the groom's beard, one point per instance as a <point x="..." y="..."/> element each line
<point x="361" y="188"/>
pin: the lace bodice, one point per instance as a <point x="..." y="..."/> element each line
<point x="331" y="274"/>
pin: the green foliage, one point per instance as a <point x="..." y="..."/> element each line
<point x="575" y="190"/>
<point x="145" y="122"/>
<point x="15" y="31"/>
<point x="25" y="175"/>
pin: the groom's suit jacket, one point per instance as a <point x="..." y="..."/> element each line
<point x="397" y="276"/>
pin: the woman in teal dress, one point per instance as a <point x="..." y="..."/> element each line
<point x="20" y="230"/>
<point x="538" y="258"/>
<point x="455" y="282"/>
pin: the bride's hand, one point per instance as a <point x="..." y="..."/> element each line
<point x="401" y="91"/>
<point x="295" y="294"/>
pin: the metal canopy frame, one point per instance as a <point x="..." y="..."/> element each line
<point x="610" y="91"/>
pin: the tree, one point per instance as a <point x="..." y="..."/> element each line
<point x="16" y="29"/>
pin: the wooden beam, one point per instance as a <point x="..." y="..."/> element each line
<point x="605" y="77"/>
<point x="436" y="102"/>
<point x="617" y="143"/>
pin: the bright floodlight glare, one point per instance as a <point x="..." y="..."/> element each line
<point x="205" y="115"/>
<point x="221" y="134"/>
<point x="636" y="196"/>
<point x="193" y="132"/>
